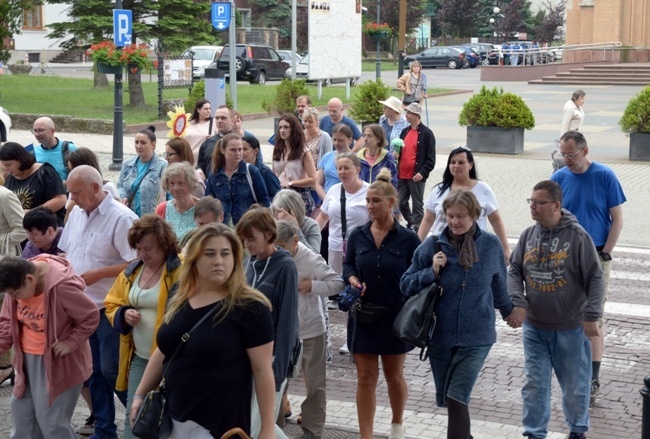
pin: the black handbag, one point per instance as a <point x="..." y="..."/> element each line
<point x="408" y="99"/>
<point x="416" y="321"/>
<point x="296" y="360"/>
<point x="152" y="420"/>
<point x="368" y="313"/>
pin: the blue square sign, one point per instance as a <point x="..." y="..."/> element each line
<point x="122" y="27"/>
<point x="221" y="15"/>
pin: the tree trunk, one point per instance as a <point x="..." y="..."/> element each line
<point x="136" y="95"/>
<point x="99" y="79"/>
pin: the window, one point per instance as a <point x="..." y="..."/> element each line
<point x="33" y="18"/>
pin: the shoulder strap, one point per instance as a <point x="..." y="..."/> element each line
<point x="250" y="182"/>
<point x="185" y="337"/>
<point x="344" y="225"/>
<point x="210" y="127"/>
<point x="64" y="152"/>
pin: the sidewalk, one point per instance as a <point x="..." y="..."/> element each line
<point x="496" y="401"/>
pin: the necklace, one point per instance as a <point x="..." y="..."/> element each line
<point x="144" y="286"/>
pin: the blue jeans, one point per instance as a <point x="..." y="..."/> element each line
<point x="568" y="353"/>
<point x="105" y="347"/>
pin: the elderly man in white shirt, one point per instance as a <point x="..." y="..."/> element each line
<point x="95" y="242"/>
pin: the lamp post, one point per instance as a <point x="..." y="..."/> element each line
<point x="118" y="118"/>
<point x="378" y="61"/>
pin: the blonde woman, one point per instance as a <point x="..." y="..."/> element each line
<point x="413" y="84"/>
<point x="210" y="382"/>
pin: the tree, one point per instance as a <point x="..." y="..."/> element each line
<point x="11" y="20"/>
<point x="456" y="19"/>
<point x="551" y="23"/>
<point x="389" y="13"/>
<point x="178" y="24"/>
<point x="517" y="17"/>
<point x="272" y="13"/>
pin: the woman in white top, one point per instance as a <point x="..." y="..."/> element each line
<point x="292" y="163"/>
<point x="200" y="127"/>
<point x="461" y="174"/>
<point x="573" y="114"/>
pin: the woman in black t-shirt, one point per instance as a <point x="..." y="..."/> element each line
<point x="35" y="184"/>
<point x="210" y="382"/>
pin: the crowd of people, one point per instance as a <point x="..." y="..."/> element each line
<point x="101" y="283"/>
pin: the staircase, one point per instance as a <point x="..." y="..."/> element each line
<point x="602" y="74"/>
<point x="68" y="56"/>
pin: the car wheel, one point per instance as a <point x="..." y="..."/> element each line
<point x="240" y="64"/>
<point x="485" y="62"/>
<point x="473" y="66"/>
<point x="452" y="64"/>
<point x="353" y="82"/>
<point x="327" y="82"/>
<point x="261" y="78"/>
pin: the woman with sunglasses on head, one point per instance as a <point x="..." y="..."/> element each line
<point x="461" y="173"/>
<point x="177" y="150"/>
<point x="292" y="162"/>
<point x="136" y="303"/>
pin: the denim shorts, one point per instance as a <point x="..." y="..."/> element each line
<point x="455" y="370"/>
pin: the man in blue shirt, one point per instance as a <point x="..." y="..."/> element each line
<point x="51" y="149"/>
<point x="335" y="115"/>
<point x="594" y="195"/>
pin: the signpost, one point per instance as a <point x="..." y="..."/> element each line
<point x="221" y="15"/>
<point x="122" y="36"/>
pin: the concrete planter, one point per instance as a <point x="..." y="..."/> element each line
<point x="495" y="139"/>
<point x="640" y="147"/>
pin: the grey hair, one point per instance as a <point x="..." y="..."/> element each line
<point x="287" y="230"/>
<point x="184" y="170"/>
<point x="291" y="201"/>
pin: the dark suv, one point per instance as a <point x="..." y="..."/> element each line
<point x="254" y="63"/>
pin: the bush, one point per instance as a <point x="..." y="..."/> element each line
<point x="285" y="97"/>
<point x="365" y="106"/>
<point x="636" y="117"/>
<point x="494" y="108"/>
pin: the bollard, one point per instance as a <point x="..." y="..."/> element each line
<point x="26" y="59"/>
<point x="83" y="58"/>
<point x="645" y="420"/>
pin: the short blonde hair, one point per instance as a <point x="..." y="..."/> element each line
<point x="182" y="169"/>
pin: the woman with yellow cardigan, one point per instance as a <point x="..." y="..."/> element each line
<point x="136" y="303"/>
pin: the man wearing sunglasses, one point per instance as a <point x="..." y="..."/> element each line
<point x="594" y="195"/>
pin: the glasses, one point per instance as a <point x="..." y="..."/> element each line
<point x="40" y="131"/>
<point x="571" y="155"/>
<point x="533" y="202"/>
<point x="169" y="154"/>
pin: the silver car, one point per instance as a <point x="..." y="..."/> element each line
<point x="302" y="72"/>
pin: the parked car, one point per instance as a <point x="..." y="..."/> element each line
<point x="472" y="58"/>
<point x="5" y="125"/>
<point x="483" y="49"/>
<point x="203" y="57"/>
<point x="254" y="63"/>
<point x="439" y="56"/>
<point x="285" y="55"/>
<point x="302" y="72"/>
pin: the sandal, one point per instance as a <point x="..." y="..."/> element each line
<point x="11" y="376"/>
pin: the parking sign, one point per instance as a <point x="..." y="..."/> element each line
<point x="221" y="15"/>
<point x="122" y="27"/>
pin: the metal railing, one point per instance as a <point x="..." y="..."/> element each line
<point x="546" y="55"/>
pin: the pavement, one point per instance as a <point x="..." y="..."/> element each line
<point x="496" y="401"/>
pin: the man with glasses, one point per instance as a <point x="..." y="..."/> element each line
<point x="49" y="148"/>
<point x="594" y="195"/>
<point x="557" y="287"/>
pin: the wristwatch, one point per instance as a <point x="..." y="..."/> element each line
<point x="605" y="256"/>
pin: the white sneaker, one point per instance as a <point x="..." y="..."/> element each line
<point x="332" y="304"/>
<point x="344" y="349"/>
<point x="396" y="431"/>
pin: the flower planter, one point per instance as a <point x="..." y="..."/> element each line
<point x="640" y="147"/>
<point x="105" y="68"/>
<point x="495" y="139"/>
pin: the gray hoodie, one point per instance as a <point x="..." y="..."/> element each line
<point x="556" y="275"/>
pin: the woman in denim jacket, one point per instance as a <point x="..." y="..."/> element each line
<point x="237" y="184"/>
<point x="474" y="285"/>
<point x="140" y="182"/>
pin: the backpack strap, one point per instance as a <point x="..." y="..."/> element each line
<point x="250" y="181"/>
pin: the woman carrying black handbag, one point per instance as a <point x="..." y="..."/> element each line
<point x="474" y="284"/>
<point x="378" y="253"/>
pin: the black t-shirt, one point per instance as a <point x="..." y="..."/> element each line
<point x="211" y="382"/>
<point x="38" y="188"/>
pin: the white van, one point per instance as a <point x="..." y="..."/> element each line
<point x="203" y="57"/>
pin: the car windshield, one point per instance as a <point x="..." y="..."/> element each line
<point x="203" y="54"/>
<point x="305" y="60"/>
<point x="240" y="50"/>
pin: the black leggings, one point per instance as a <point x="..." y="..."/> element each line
<point x="458" y="426"/>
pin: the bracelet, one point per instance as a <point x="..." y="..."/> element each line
<point x="139" y="396"/>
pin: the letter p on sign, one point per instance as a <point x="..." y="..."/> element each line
<point x="122" y="27"/>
